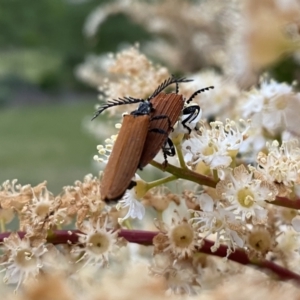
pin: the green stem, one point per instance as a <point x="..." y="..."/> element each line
<point x="233" y="163"/>
<point x="159" y="215"/>
<point x="180" y="156"/>
<point x="216" y="177"/>
<point x="161" y="181"/>
<point x="2" y="226"/>
<point x="186" y="174"/>
<point x="127" y="224"/>
<point x="190" y="175"/>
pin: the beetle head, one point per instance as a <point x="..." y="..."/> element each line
<point x="144" y="108"/>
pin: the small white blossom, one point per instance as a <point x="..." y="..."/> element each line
<point x="254" y="143"/>
<point x="219" y="221"/>
<point x="181" y="240"/>
<point x="98" y="243"/>
<point x="136" y="209"/>
<point x="215" y="146"/>
<point x="181" y="275"/>
<point x="282" y="163"/>
<point x="45" y="209"/>
<point x="216" y="101"/>
<point x="24" y="261"/>
<point x="296" y="223"/>
<point x="105" y="151"/>
<point x="245" y="194"/>
<point x="272" y="106"/>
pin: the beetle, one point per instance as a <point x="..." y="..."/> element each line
<point x="123" y="161"/>
<point x="143" y="133"/>
<point x="171" y="105"/>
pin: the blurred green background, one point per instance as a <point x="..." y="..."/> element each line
<point x="42" y="104"/>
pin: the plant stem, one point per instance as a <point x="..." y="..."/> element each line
<point x="160" y="215"/>
<point x="186" y="174"/>
<point x="161" y="181"/>
<point x="146" y="237"/>
<point x="286" y="202"/>
<point x="180" y="156"/>
<point x="215" y="173"/>
<point x="190" y="175"/>
<point x="2" y="225"/>
<point x="127" y="223"/>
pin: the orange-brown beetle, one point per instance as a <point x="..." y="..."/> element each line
<point x="143" y="133"/>
<point x="171" y="105"/>
<point x="123" y="161"/>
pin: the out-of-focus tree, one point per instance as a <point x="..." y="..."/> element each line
<point x="42" y="41"/>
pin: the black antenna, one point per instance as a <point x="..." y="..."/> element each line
<point x="177" y="85"/>
<point x="177" y="88"/>
<point x="166" y="83"/>
<point x="198" y="92"/>
<point x="115" y="102"/>
<point x="131" y="100"/>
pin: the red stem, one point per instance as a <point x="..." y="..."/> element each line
<point x="286" y="202"/>
<point x="146" y="237"/>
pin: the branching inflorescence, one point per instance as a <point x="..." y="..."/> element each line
<point x="230" y="195"/>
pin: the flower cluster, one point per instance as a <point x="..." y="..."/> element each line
<point x="232" y="194"/>
<point x="213" y="148"/>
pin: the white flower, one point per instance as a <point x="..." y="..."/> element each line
<point x="272" y="106"/>
<point x="216" y="146"/>
<point x="254" y="143"/>
<point x="296" y="223"/>
<point x="24" y="261"/>
<point x="282" y="163"/>
<point x="45" y="210"/>
<point x="213" y="102"/>
<point x="98" y="243"/>
<point x="135" y="208"/>
<point x="105" y="151"/>
<point x="181" y="275"/>
<point x="245" y="194"/>
<point x="181" y="240"/>
<point x="219" y="221"/>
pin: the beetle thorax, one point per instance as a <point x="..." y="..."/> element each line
<point x="143" y="109"/>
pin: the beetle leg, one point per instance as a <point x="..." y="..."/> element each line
<point x="192" y="112"/>
<point x="168" y="150"/>
<point x="131" y="184"/>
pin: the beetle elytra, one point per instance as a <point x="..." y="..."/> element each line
<point x="171" y="105"/>
<point x="123" y="161"/>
